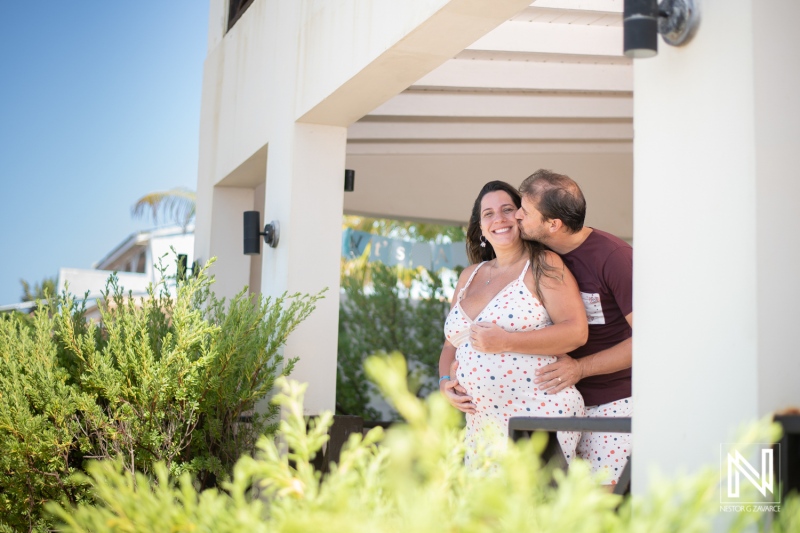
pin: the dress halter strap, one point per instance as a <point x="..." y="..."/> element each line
<point x="464" y="288"/>
<point x="524" y="270"/>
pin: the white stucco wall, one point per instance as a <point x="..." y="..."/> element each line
<point x="279" y="90"/>
<point x="322" y="62"/>
<point x="713" y="194"/>
<point x="90" y="283"/>
<point x="776" y="71"/>
<point x="162" y="248"/>
<point x="356" y="55"/>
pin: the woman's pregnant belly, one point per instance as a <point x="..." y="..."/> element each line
<point x="505" y="383"/>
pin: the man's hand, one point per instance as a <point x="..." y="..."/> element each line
<point x="488" y="337"/>
<point x="555" y="377"/>
<point x="455" y="393"/>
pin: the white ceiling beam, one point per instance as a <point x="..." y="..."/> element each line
<point x="524" y="105"/>
<point x="611" y="6"/>
<point x="496" y="131"/>
<point x="566" y="16"/>
<point x="339" y="83"/>
<point x="529" y="76"/>
<point x="479" y="147"/>
<point x="500" y="56"/>
<point x="544" y="38"/>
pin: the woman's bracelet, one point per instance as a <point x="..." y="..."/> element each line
<point x="443" y="378"/>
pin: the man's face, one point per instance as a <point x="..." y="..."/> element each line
<point x="532" y="227"/>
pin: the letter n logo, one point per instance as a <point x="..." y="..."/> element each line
<point x="739" y="466"/>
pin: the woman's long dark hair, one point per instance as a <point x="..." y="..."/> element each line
<point x="477" y="253"/>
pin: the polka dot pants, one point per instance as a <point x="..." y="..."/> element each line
<point x="607" y="453"/>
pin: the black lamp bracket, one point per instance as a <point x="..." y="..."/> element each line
<point x="184" y="268"/>
<point x="272" y="233"/>
<point x="678" y="20"/>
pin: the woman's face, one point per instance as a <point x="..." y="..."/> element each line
<point x="498" y="221"/>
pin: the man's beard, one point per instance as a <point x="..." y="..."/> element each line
<point x="524" y="234"/>
<point x="528" y="236"/>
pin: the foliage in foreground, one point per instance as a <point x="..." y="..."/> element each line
<point x="410" y="478"/>
<point x="160" y="380"/>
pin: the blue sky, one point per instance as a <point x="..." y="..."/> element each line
<point x="99" y="105"/>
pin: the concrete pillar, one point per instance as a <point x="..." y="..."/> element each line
<point x="227" y="237"/>
<point x="304" y="193"/>
<point x="283" y="81"/>
<point x="777" y="140"/>
<point x="715" y="212"/>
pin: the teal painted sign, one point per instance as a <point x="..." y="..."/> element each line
<point x="408" y="254"/>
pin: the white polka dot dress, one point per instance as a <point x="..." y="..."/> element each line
<point x="501" y="384"/>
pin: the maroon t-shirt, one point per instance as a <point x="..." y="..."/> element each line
<point x="603" y="267"/>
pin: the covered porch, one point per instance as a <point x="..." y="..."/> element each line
<point x="428" y="100"/>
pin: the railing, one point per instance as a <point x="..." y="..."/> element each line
<point x="789" y="455"/>
<point x="524" y="426"/>
<point x="520" y="427"/>
<point x="341" y="429"/>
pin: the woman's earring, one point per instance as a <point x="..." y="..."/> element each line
<point x="483" y="241"/>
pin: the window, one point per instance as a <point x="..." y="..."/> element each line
<point x="141" y="262"/>
<point x="236" y="9"/>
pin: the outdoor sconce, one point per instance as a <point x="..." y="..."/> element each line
<point x="183" y="267"/>
<point x="252" y="242"/>
<point x="349" y="180"/>
<point x="643" y="20"/>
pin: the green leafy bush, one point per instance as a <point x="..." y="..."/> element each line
<point x="410" y="478"/>
<point x="385" y="318"/>
<point x="162" y="380"/>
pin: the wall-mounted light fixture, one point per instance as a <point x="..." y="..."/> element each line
<point x="183" y="267"/>
<point x="349" y="180"/>
<point x="252" y="233"/>
<point x="643" y="20"/>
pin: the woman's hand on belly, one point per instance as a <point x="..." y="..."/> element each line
<point x="456" y="394"/>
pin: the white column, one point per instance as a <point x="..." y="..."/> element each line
<point x="715" y="222"/>
<point x="227" y="240"/>
<point x="777" y="139"/>
<point x="304" y="193"/>
<point x="695" y="357"/>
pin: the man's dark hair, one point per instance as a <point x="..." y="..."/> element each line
<point x="556" y="196"/>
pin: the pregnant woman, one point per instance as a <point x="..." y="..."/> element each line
<point x="518" y="285"/>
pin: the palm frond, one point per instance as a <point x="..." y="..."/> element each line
<point x="177" y="205"/>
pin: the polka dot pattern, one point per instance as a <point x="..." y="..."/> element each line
<point x="501" y="384"/>
<point x="607" y="453"/>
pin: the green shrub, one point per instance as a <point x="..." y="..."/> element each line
<point x="382" y="319"/>
<point x="163" y="380"/>
<point x="410" y="478"/>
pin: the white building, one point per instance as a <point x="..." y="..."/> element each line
<point x="134" y="260"/>
<point x="428" y="99"/>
